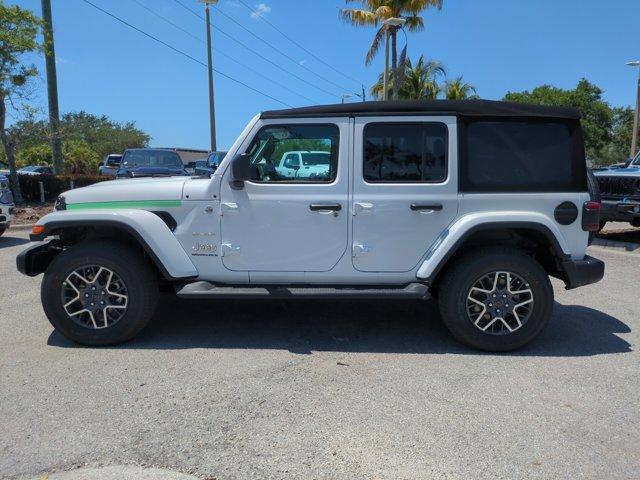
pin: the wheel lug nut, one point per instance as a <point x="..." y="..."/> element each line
<point x="491" y="304"/>
<point x="86" y="295"/>
<point x="498" y="310"/>
<point x="93" y="288"/>
<point x="494" y="295"/>
<point x="93" y="304"/>
<point x="102" y="302"/>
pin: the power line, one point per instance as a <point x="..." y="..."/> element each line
<point x="248" y="48"/>
<point x="289" y="57"/>
<point x="296" y="43"/>
<point x="171" y="47"/>
<point x="218" y="52"/>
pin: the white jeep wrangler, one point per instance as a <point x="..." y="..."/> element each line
<point x="473" y="202"/>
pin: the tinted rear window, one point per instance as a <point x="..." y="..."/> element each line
<point x="523" y="156"/>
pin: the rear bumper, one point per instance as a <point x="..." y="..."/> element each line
<point x="582" y="272"/>
<point x="619" y="211"/>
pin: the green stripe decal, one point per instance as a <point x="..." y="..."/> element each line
<point x="140" y="204"/>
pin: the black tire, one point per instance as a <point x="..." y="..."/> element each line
<point x="2" y="230"/>
<point x="138" y="276"/>
<point x="461" y="277"/>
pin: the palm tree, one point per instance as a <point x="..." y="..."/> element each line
<point x="417" y="83"/>
<point x="459" y="90"/>
<point x="375" y="12"/>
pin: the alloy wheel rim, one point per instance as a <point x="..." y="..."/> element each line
<point x="94" y="297"/>
<point x="499" y="303"/>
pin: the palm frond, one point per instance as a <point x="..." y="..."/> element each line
<point x="375" y="45"/>
<point x="357" y="17"/>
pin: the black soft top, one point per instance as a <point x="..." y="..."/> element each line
<point x="465" y="108"/>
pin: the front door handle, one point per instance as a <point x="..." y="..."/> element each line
<point x="426" y="207"/>
<point x="325" y="207"/>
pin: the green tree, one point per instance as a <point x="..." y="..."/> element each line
<point x="418" y="83"/>
<point x="86" y="139"/>
<point x="375" y="12"/>
<point x="18" y="36"/>
<point x="458" y="89"/>
<point x="597" y="115"/>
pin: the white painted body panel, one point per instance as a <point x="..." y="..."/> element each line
<point x="387" y="235"/>
<point x="269" y="227"/>
<point x="158" y="188"/>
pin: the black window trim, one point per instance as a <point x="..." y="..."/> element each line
<point x="404" y="182"/>
<point x="303" y="124"/>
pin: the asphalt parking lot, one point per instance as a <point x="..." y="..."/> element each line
<point x="327" y="390"/>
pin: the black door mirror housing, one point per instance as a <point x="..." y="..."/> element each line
<point x="240" y="170"/>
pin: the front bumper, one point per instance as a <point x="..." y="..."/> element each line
<point x="619" y="211"/>
<point x="36" y="258"/>
<point x="582" y="272"/>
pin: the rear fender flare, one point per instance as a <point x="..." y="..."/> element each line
<point x="451" y="239"/>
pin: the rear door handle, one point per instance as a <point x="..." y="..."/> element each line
<point x="325" y="207"/>
<point x="421" y="207"/>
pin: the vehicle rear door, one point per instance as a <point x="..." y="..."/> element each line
<point x="404" y="189"/>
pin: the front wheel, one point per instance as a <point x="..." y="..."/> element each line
<point x="99" y="293"/>
<point x="496" y="299"/>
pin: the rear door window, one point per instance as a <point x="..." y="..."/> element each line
<point x="405" y="152"/>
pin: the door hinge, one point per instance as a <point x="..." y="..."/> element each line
<point x="359" y="249"/>
<point x="362" y="208"/>
<point x="227" y="249"/>
<point x="228" y="207"/>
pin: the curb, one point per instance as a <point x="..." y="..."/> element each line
<point x="629" y="247"/>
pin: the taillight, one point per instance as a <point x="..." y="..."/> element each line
<point x="591" y="216"/>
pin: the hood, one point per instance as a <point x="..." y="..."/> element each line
<point x="618" y="172"/>
<point x="144" y="193"/>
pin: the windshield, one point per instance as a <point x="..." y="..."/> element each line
<point x="30" y="168"/>
<point x="315" y="158"/>
<point x="151" y="158"/>
<point x="636" y="161"/>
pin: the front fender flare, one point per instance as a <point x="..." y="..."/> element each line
<point x="146" y="227"/>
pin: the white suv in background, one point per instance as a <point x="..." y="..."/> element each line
<point x="304" y="164"/>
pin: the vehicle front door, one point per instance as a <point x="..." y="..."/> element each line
<point x="275" y="223"/>
<point x="405" y="189"/>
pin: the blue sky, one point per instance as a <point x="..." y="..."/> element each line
<point x="106" y="68"/>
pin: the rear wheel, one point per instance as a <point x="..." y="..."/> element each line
<point x="99" y="293"/>
<point x="496" y="299"/>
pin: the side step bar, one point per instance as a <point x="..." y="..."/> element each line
<point x="205" y="290"/>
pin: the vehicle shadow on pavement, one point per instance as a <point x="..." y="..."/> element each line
<point x="305" y="326"/>
<point x="6" y="241"/>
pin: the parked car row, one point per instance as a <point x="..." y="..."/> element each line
<point x="620" y="192"/>
<point x="158" y="162"/>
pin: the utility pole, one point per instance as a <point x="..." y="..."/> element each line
<point x="385" y="82"/>
<point x="52" y="86"/>
<point x="393" y="22"/>
<point x="634" y="138"/>
<point x="212" y="107"/>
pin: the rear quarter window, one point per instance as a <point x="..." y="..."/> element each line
<point x="523" y="156"/>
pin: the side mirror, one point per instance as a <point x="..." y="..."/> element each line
<point x="240" y="170"/>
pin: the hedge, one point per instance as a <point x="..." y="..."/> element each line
<point x="54" y="185"/>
